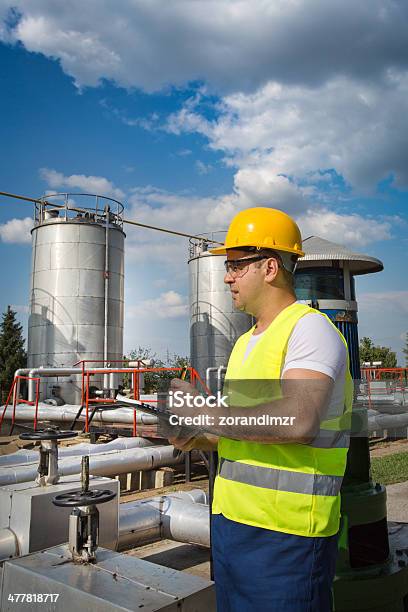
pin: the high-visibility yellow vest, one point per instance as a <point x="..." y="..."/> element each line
<point x="293" y="488"/>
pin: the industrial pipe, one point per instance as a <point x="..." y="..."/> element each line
<point x="41" y="372"/>
<point x="24" y="456"/>
<point x="107" y="464"/>
<point x="54" y="372"/>
<point x="68" y="412"/>
<point x="182" y="516"/>
<point x="19" y="372"/>
<point x="378" y="421"/>
<point x="8" y="544"/>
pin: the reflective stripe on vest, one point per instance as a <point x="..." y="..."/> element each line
<point x="293" y="488"/>
<point x="331" y="439"/>
<point x="280" y="480"/>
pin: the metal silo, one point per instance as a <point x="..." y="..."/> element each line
<point x="77" y="286"/>
<point x="214" y="323"/>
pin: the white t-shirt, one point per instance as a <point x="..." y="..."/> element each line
<point x="313" y="345"/>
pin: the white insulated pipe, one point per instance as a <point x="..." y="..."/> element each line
<point x="24" y="456"/>
<point x="8" y="544"/>
<point x="183" y="517"/>
<point x="68" y="412"/>
<point x="45" y="372"/>
<point x="19" y="372"/>
<point x="378" y="421"/>
<point x="54" y="372"/>
<point x="107" y="464"/>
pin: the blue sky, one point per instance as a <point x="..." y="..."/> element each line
<point x="189" y="114"/>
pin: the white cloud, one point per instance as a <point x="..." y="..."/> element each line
<point x="184" y="152"/>
<point x="52" y="35"/>
<point x="235" y="45"/>
<point x="353" y="230"/>
<point x="321" y="176"/>
<point x="168" y="305"/>
<point x="292" y="146"/>
<point x="17" y="231"/>
<point x="167" y="210"/>
<point x="192" y="214"/>
<point x="202" y="168"/>
<point x="258" y="185"/>
<point x="148" y="123"/>
<point x="306" y="86"/>
<point x="351" y="126"/>
<point x="20" y="308"/>
<point x="90" y="184"/>
<point x="187" y="120"/>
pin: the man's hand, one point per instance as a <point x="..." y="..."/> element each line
<point x="182" y="387"/>
<point x="176" y="384"/>
<point x="183" y="437"/>
<point x="182" y="441"/>
<point x="204" y="442"/>
<point x="187" y="438"/>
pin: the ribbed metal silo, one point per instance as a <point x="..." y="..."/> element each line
<point x="214" y="323"/>
<point x="77" y="286"/>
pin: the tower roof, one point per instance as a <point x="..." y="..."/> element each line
<point x="319" y="249"/>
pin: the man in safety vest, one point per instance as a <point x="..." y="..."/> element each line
<point x="276" y="507"/>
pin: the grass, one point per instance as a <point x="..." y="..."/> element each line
<point x="390" y="468"/>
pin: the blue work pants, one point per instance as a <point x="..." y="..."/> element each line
<point x="259" y="570"/>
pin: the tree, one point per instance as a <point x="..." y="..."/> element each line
<point x="154" y="381"/>
<point x="12" y="352"/>
<point x="151" y="379"/>
<point x="370" y="352"/>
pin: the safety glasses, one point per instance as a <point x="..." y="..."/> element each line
<point x="238" y="267"/>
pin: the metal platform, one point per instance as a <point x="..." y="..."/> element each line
<point x="116" y="582"/>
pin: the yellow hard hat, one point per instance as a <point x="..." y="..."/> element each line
<point x="263" y="228"/>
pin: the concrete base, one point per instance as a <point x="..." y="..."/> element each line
<point x="146" y="479"/>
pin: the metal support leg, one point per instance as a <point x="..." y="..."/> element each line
<point x="78" y="414"/>
<point x="187" y="460"/>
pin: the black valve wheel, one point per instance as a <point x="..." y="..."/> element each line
<point x="84" y="498"/>
<point x="51" y="433"/>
